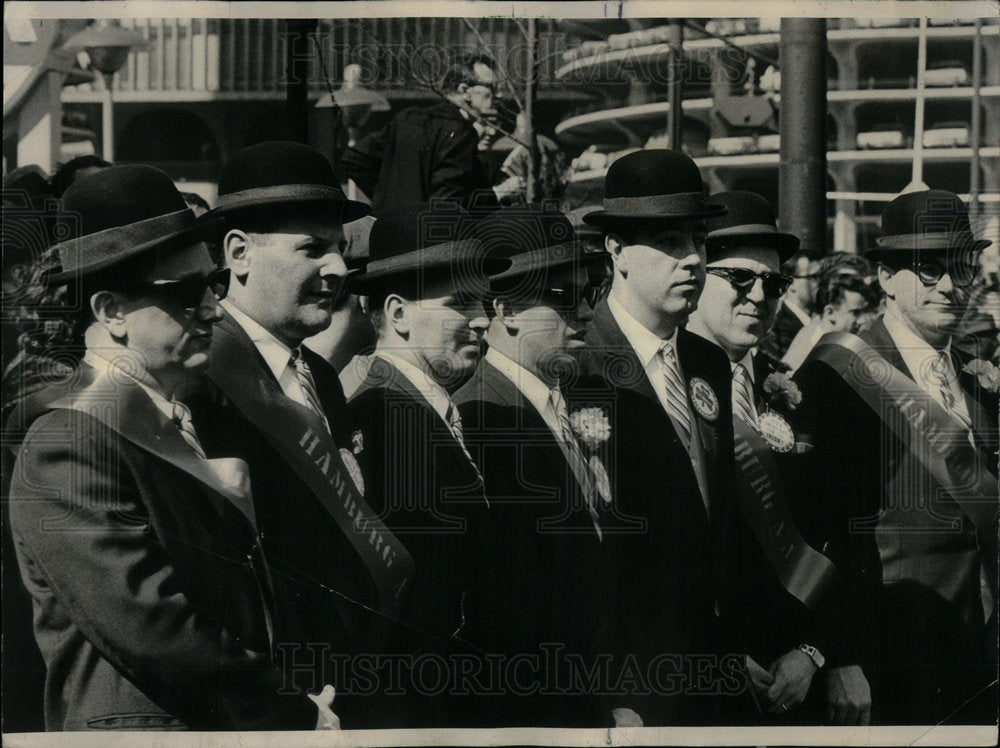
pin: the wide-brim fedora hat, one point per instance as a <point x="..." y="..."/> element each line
<point x="536" y="240"/>
<point x="270" y="176"/>
<point x="749" y="221"/>
<point x="117" y="214"/>
<point x="424" y="241"/>
<point x="927" y="221"/>
<point x="655" y="183"/>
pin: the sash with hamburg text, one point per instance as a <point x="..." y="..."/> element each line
<point x="303" y="440"/>
<point x="929" y="433"/>
<point x="802" y="570"/>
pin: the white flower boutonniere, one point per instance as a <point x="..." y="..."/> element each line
<point x="591" y="426"/>
<point x="782" y="392"/>
<point x="987" y="373"/>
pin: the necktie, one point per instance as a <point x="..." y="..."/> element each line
<point x="743" y="407"/>
<point x="308" y="386"/>
<point x="941" y="373"/>
<point x="581" y="469"/>
<point x="455" y="424"/>
<point x="182" y="421"/>
<point x="677" y="404"/>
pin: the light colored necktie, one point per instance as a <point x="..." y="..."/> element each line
<point x="307" y="384"/>
<point x="182" y="421"/>
<point x="677" y="404"/>
<point x="455" y="424"/>
<point x="743" y="407"/>
<point x="941" y="371"/>
<point x="579" y="464"/>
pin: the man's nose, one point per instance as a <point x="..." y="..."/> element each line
<point x="209" y="310"/>
<point x="756" y="291"/>
<point x="333" y="265"/>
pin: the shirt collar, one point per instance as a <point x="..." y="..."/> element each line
<point x="915" y="350"/>
<point x="646" y="344"/>
<point x="798" y="311"/>
<point x="431" y="391"/>
<point x="533" y="388"/>
<point x="275" y="353"/>
<point x="747" y="362"/>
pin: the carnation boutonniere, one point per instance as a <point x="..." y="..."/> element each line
<point x="782" y="393"/>
<point x="987" y="373"/>
<point x="592" y="429"/>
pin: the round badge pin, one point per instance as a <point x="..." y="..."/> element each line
<point x="703" y="399"/>
<point x="776" y="432"/>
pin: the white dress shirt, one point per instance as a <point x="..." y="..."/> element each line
<point x="432" y="392"/>
<point x="646" y="346"/>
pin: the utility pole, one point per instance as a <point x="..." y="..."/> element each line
<point x="297" y="57"/>
<point x="675" y="84"/>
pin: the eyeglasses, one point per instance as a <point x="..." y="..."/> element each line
<point x="190" y="292"/>
<point x="962" y="270"/>
<point x="743" y="279"/>
<point x="570" y="298"/>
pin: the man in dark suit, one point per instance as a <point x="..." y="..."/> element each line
<point x="670" y="455"/>
<point x="911" y="436"/>
<point x="425" y="285"/>
<point x="545" y="496"/>
<point x="431" y="152"/>
<point x="742" y="294"/>
<point x="153" y="605"/>
<point x="796" y="306"/>
<point x="279" y="406"/>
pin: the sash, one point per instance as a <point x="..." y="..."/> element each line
<point x="919" y="422"/>
<point x="802" y="570"/>
<point x="304" y="442"/>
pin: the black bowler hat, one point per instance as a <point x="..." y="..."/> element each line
<point x="118" y="213"/>
<point x="657" y="183"/>
<point x="750" y="221"/>
<point x="424" y="241"/>
<point x="276" y="175"/>
<point x="536" y="240"/>
<point x="925" y="221"/>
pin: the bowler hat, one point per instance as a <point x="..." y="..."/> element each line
<point x="925" y="221"/>
<point x="267" y="176"/>
<point x="750" y="221"/>
<point x="656" y="183"/>
<point x="535" y="239"/>
<point x="425" y="240"/>
<point x="119" y="213"/>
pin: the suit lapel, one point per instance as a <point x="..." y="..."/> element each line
<point x="692" y="366"/>
<point x="984" y="427"/>
<point x="878" y="337"/>
<point x="616" y="357"/>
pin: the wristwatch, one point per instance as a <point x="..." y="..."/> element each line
<point x="814" y="654"/>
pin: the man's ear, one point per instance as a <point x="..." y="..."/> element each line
<point x="396" y="310"/>
<point x="887" y="280"/>
<point x="506" y="313"/>
<point x="616" y="248"/>
<point x="236" y="252"/>
<point x="828" y="311"/>
<point x="109" y="311"/>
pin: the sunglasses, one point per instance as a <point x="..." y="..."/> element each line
<point x="570" y="298"/>
<point x="742" y="279"/>
<point x="963" y="271"/>
<point x="190" y="292"/>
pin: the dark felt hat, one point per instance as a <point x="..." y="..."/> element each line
<point x="119" y="213"/>
<point x="282" y="174"/>
<point x="925" y="221"/>
<point x="750" y="220"/>
<point x="536" y="240"/>
<point x="424" y="241"/>
<point x="656" y="183"/>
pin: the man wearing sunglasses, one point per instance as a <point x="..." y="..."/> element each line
<point x="906" y="440"/>
<point x="432" y="152"/>
<point x="545" y="498"/>
<point x="153" y="603"/>
<point x="742" y="293"/>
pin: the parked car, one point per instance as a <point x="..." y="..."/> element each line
<point x="884" y="135"/>
<point x="731" y="146"/>
<point x="947" y="73"/>
<point x="947" y="135"/>
<point x="770" y="143"/>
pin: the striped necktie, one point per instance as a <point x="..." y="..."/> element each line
<point x="743" y="407"/>
<point x="941" y="373"/>
<point x="182" y="422"/>
<point x="677" y="404"/>
<point x="307" y="384"/>
<point x="455" y="424"/>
